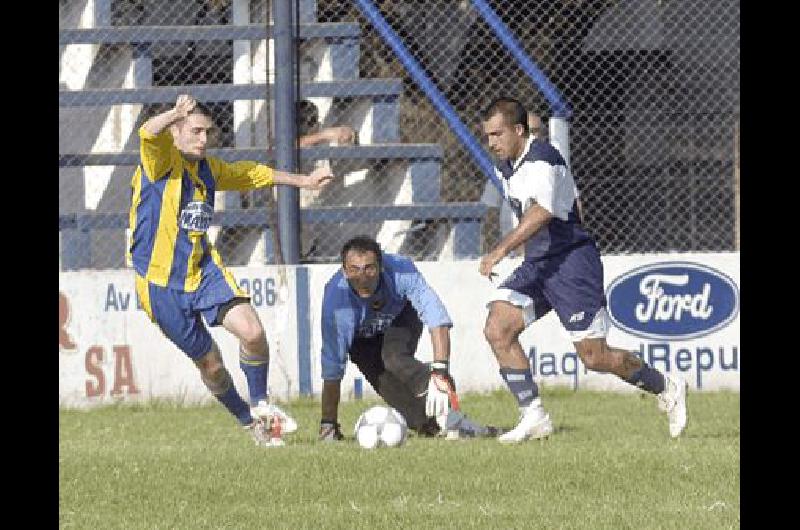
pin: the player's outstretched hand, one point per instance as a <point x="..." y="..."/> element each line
<point x="329" y="431"/>
<point x="319" y="178"/>
<point x="184" y="105"/>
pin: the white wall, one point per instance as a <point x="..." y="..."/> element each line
<point x="103" y="314"/>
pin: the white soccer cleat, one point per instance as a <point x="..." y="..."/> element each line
<point x="534" y="423"/>
<point x="673" y="401"/>
<point x="266" y="411"/>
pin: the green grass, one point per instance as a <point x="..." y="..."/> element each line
<point x="609" y="465"/>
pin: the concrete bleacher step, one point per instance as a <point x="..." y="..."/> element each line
<point x="343" y="152"/>
<point x="334" y="56"/>
<point x="382" y="88"/>
<point x="376" y="115"/>
<point x="135" y="34"/>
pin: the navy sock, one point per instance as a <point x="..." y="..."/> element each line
<point x="256" y="370"/>
<point x="235" y="405"/>
<point x="520" y="382"/>
<point x="649" y="379"/>
<point x="256" y="374"/>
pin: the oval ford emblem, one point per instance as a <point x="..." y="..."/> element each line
<point x="674" y="300"/>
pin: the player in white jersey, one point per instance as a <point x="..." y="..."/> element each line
<point x="561" y="271"/>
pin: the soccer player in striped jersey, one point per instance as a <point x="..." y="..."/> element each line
<point x="561" y="271"/>
<point x="180" y="276"/>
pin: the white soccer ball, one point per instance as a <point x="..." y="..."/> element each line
<point x="381" y="426"/>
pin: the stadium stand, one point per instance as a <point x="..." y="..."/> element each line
<point x="104" y="97"/>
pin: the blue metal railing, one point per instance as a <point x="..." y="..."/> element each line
<point x="439" y="101"/>
<point x="558" y="104"/>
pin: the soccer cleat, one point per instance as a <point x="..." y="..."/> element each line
<point x="673" y="401"/>
<point x="266" y="411"/>
<point x="534" y="423"/>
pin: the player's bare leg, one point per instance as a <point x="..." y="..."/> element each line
<point x="598" y="356"/>
<point x="243" y="322"/>
<point x="503" y="327"/>
<point x="219" y="382"/>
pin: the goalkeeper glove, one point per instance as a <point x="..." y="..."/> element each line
<point x="329" y="431"/>
<point x="441" y="391"/>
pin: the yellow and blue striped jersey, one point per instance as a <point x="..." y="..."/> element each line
<point x="171" y="207"/>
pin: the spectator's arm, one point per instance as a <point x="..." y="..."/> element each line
<point x="342" y="135"/>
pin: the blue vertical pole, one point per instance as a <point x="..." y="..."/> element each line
<point x="439" y="101"/>
<point x="285" y="128"/>
<point x="303" y="319"/>
<point x="558" y="104"/>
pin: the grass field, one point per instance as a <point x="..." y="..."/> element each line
<point x="609" y="465"/>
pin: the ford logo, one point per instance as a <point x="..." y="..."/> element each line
<point x="674" y="300"/>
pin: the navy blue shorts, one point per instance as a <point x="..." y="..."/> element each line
<point x="571" y="284"/>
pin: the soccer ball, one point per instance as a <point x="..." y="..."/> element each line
<point x="381" y="426"/>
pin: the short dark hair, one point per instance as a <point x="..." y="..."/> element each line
<point x="512" y="110"/>
<point x="307" y="116"/>
<point x="362" y="244"/>
<point x="204" y="109"/>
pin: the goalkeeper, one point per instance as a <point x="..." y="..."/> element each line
<point x="373" y="309"/>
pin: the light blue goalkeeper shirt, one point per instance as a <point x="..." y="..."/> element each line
<point x="346" y="316"/>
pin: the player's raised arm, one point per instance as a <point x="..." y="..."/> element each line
<point x="183" y="106"/>
<point x="156" y="143"/>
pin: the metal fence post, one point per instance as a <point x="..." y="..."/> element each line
<point x="285" y="128"/>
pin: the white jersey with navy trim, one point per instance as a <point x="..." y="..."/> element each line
<point x="540" y="176"/>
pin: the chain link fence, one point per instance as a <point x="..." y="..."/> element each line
<point x="653" y="136"/>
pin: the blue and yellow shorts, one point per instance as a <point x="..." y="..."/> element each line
<point x="178" y="312"/>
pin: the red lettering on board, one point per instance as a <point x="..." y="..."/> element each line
<point x="123" y="371"/>
<point x="94" y="356"/>
<point x="64" y="340"/>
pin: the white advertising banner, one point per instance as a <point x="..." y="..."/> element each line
<point x="109" y="350"/>
<point x="707" y="355"/>
<point x="680" y="312"/>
